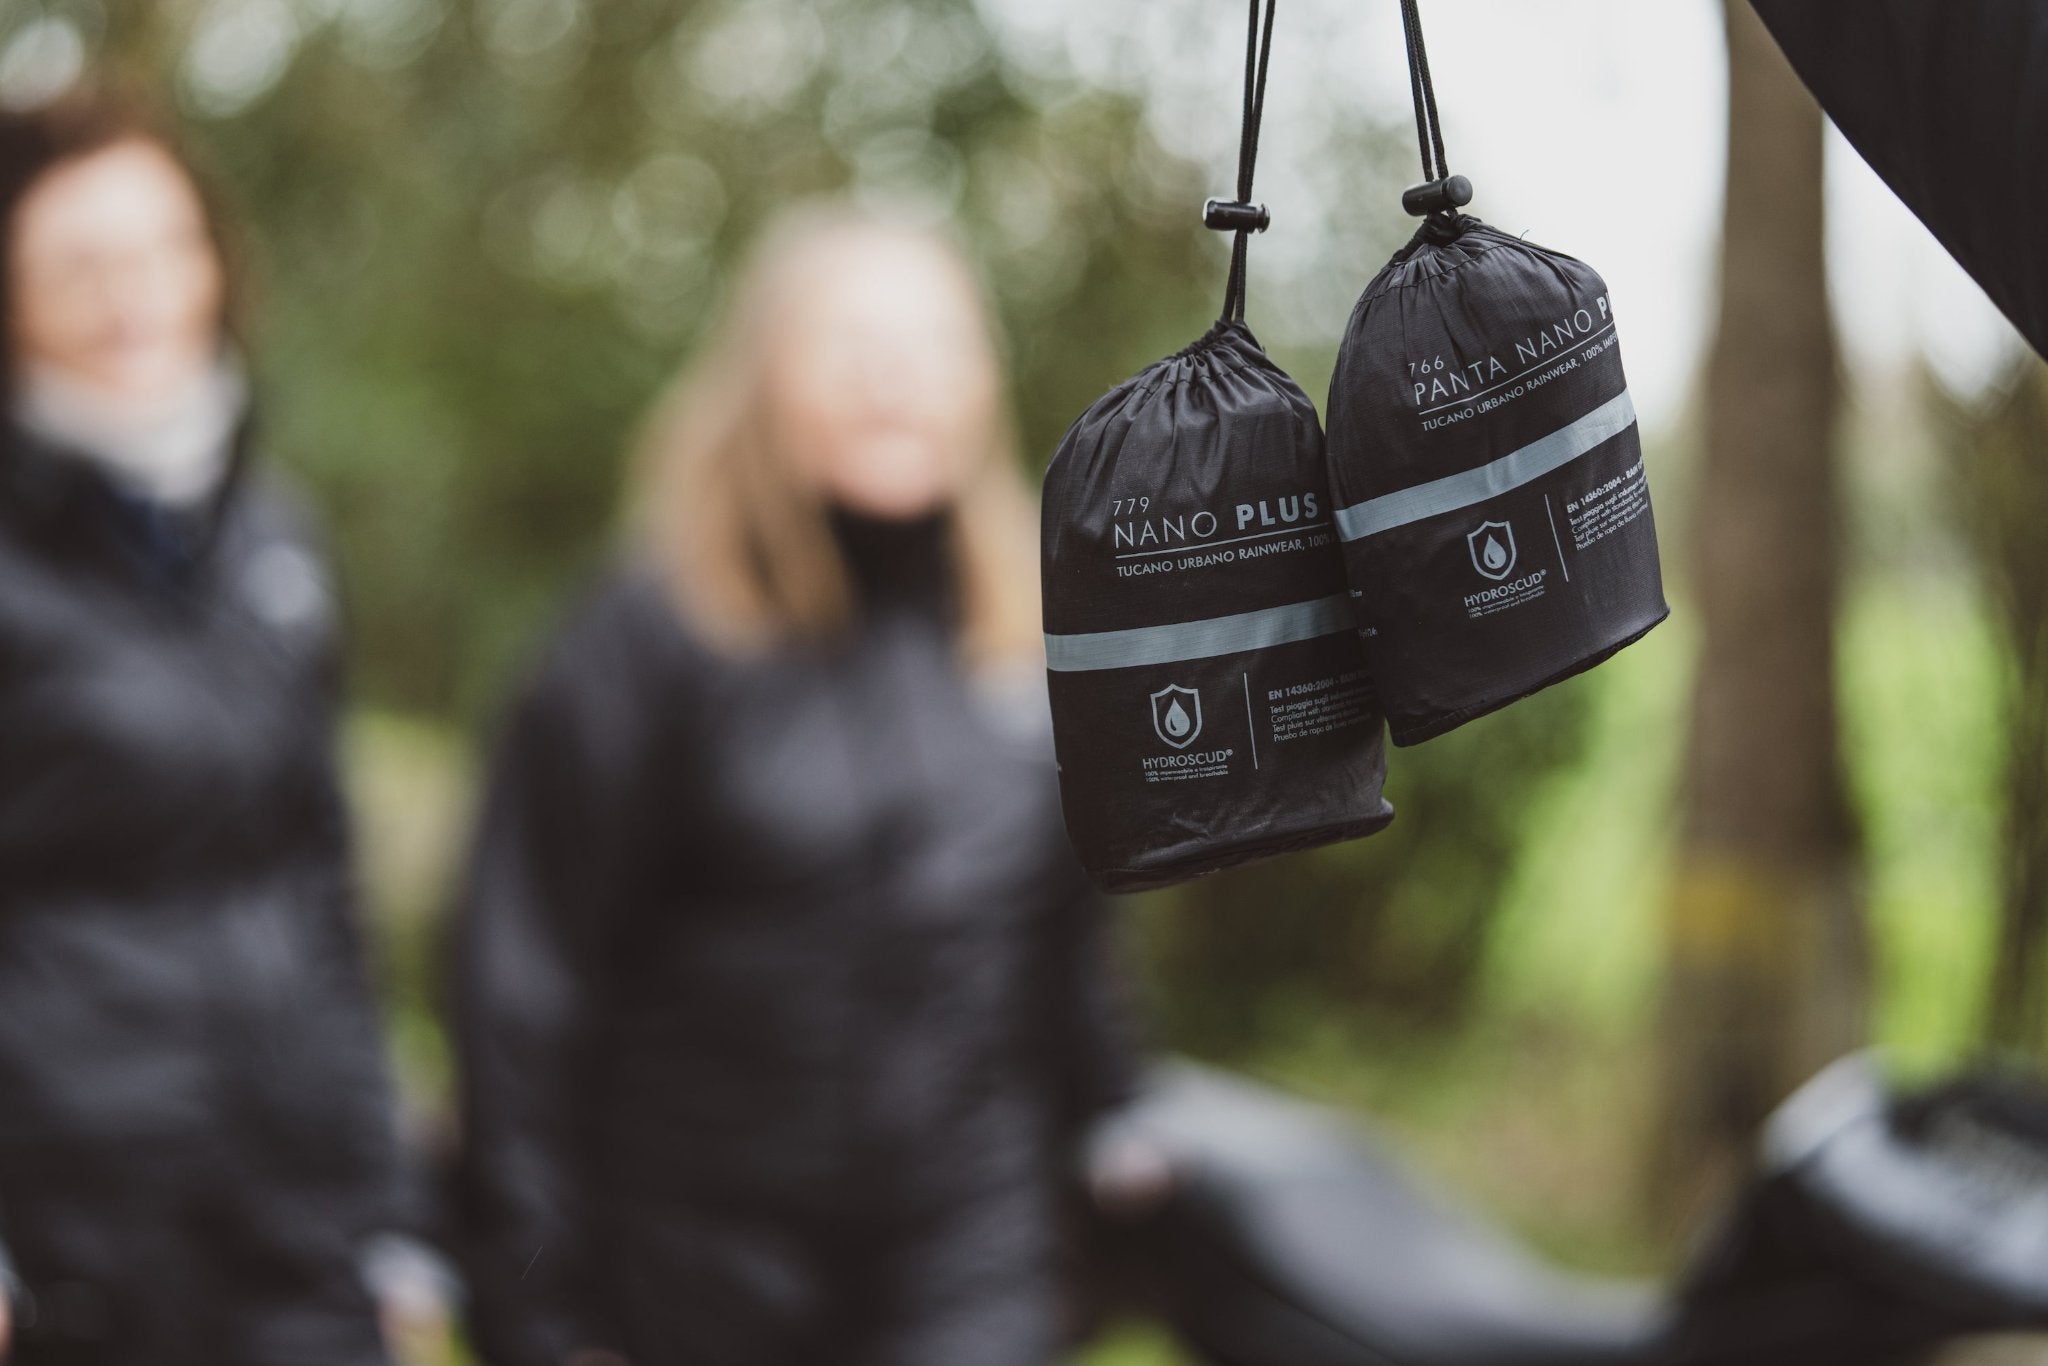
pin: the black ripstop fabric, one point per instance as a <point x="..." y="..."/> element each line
<point x="1485" y="468"/>
<point x="1948" y="102"/>
<point x="1209" y="700"/>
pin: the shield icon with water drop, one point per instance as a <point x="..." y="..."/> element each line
<point x="1177" y="715"/>
<point x="1493" y="549"/>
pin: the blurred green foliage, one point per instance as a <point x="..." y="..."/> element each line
<point x="1393" y="928"/>
<point x="480" y="260"/>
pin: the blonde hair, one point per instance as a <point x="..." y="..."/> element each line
<point x="745" y="547"/>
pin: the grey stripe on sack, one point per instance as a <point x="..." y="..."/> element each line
<point x="1145" y="645"/>
<point x="1511" y="471"/>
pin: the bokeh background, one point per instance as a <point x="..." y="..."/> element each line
<point x="1611" y="924"/>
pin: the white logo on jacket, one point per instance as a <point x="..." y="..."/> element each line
<point x="1177" y="715"/>
<point x="1493" y="549"/>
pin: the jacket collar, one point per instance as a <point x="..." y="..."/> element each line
<point x="70" y="508"/>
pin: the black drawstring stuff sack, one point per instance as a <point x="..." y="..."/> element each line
<point x="1209" y="699"/>
<point x="1485" y="463"/>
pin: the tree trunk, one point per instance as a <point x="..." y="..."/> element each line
<point x="2001" y="449"/>
<point x="1767" y="965"/>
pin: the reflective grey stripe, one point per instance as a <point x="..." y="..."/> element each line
<point x="1512" y="470"/>
<point x="1200" y="639"/>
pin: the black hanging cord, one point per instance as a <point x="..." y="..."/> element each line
<point x="1441" y="193"/>
<point x="1429" y="132"/>
<point x="1242" y="216"/>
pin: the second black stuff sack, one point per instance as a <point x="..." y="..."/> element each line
<point x="1486" y="464"/>
<point x="1209" y="698"/>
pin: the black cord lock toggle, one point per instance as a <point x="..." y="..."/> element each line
<point x="1234" y="215"/>
<point x="1435" y="196"/>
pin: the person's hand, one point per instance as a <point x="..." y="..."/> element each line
<point x="1128" y="1175"/>
<point x="415" y="1291"/>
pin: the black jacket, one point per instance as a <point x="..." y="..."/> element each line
<point x="195" y="1129"/>
<point x="799" y="936"/>
<point x="1948" y="102"/>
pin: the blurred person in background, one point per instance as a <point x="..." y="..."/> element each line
<point x="196" y="1138"/>
<point x="782" y="996"/>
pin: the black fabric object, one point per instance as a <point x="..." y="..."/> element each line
<point x="1485" y="467"/>
<point x="712" y="1282"/>
<point x="196" y="1125"/>
<point x="1948" y="102"/>
<point x="773" y="969"/>
<point x="1209" y="701"/>
<point x="1290" y="1237"/>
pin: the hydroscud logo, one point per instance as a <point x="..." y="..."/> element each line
<point x="1493" y="549"/>
<point x="1177" y="715"/>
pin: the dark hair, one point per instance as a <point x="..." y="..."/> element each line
<point x="36" y="141"/>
